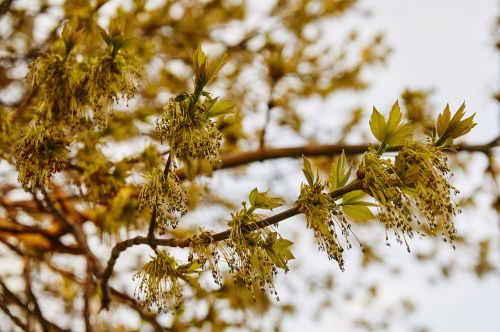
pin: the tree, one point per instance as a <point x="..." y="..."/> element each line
<point x="119" y="126"/>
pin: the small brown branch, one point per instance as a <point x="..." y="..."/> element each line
<point x="183" y="243"/>
<point x="14" y="318"/>
<point x="267" y="121"/>
<point x="149" y="317"/>
<point x="31" y="296"/>
<point x="5" y="6"/>
<point x="87" y="292"/>
<point x="243" y="158"/>
<point x="11" y="297"/>
<point x="79" y="235"/>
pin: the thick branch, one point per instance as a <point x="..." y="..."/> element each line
<point x="247" y="157"/>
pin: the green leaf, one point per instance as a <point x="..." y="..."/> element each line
<point x="262" y="200"/>
<point x="355" y="208"/>
<point x="397" y="132"/>
<point x="220" y="108"/>
<point x="196" y="265"/>
<point x="449" y="129"/>
<point x="339" y="175"/>
<point x="105" y="36"/>
<point x="398" y="135"/>
<point x="253" y="196"/>
<point x="205" y="70"/>
<point x="355" y="198"/>
<point x="443" y="120"/>
<point x="394" y="117"/>
<point x="308" y="172"/>
<point x="378" y="126"/>
<point x="279" y="252"/>
<point x="392" y="132"/>
<point x="359" y="213"/>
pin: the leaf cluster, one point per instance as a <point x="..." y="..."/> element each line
<point x="448" y="128"/>
<point x="390" y="132"/>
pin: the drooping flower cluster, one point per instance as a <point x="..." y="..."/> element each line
<point x="424" y="169"/>
<point x="159" y="284"/>
<point x="59" y="83"/>
<point x="185" y="125"/>
<point x="165" y="196"/>
<point x="246" y="255"/>
<point x="110" y="77"/>
<point x="100" y="178"/>
<point x="40" y="153"/>
<point x="382" y="183"/>
<point x="206" y="250"/>
<point x="323" y="216"/>
<point x="415" y="185"/>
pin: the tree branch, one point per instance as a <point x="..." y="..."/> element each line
<point x="31" y="297"/>
<point x="79" y="235"/>
<point x="87" y="292"/>
<point x="14" y="318"/>
<point x="242" y="158"/>
<point x="183" y="243"/>
<point x="8" y="294"/>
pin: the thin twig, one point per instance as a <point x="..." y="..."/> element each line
<point x="31" y="297"/>
<point x="87" y="292"/>
<point x="14" y="318"/>
<point x="7" y="293"/>
<point x="79" y="235"/>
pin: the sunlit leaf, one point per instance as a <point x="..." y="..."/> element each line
<point x="377" y="125"/>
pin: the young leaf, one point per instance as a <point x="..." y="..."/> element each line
<point x="220" y="108"/>
<point x="339" y="174"/>
<point x="397" y="132"/>
<point x="443" y="120"/>
<point x="253" y="196"/>
<point x="398" y="135"/>
<point x="204" y="69"/>
<point x="449" y="129"/>
<point x="394" y="118"/>
<point x="279" y="252"/>
<point x="358" y="213"/>
<point x="355" y="198"/>
<point x="308" y="172"/>
<point x="262" y="200"/>
<point x="354" y="207"/>
<point x="392" y="132"/>
<point x="378" y="126"/>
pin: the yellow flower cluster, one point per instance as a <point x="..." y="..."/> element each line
<point x="159" y="284"/>
<point x="324" y="217"/>
<point x="165" y="196"/>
